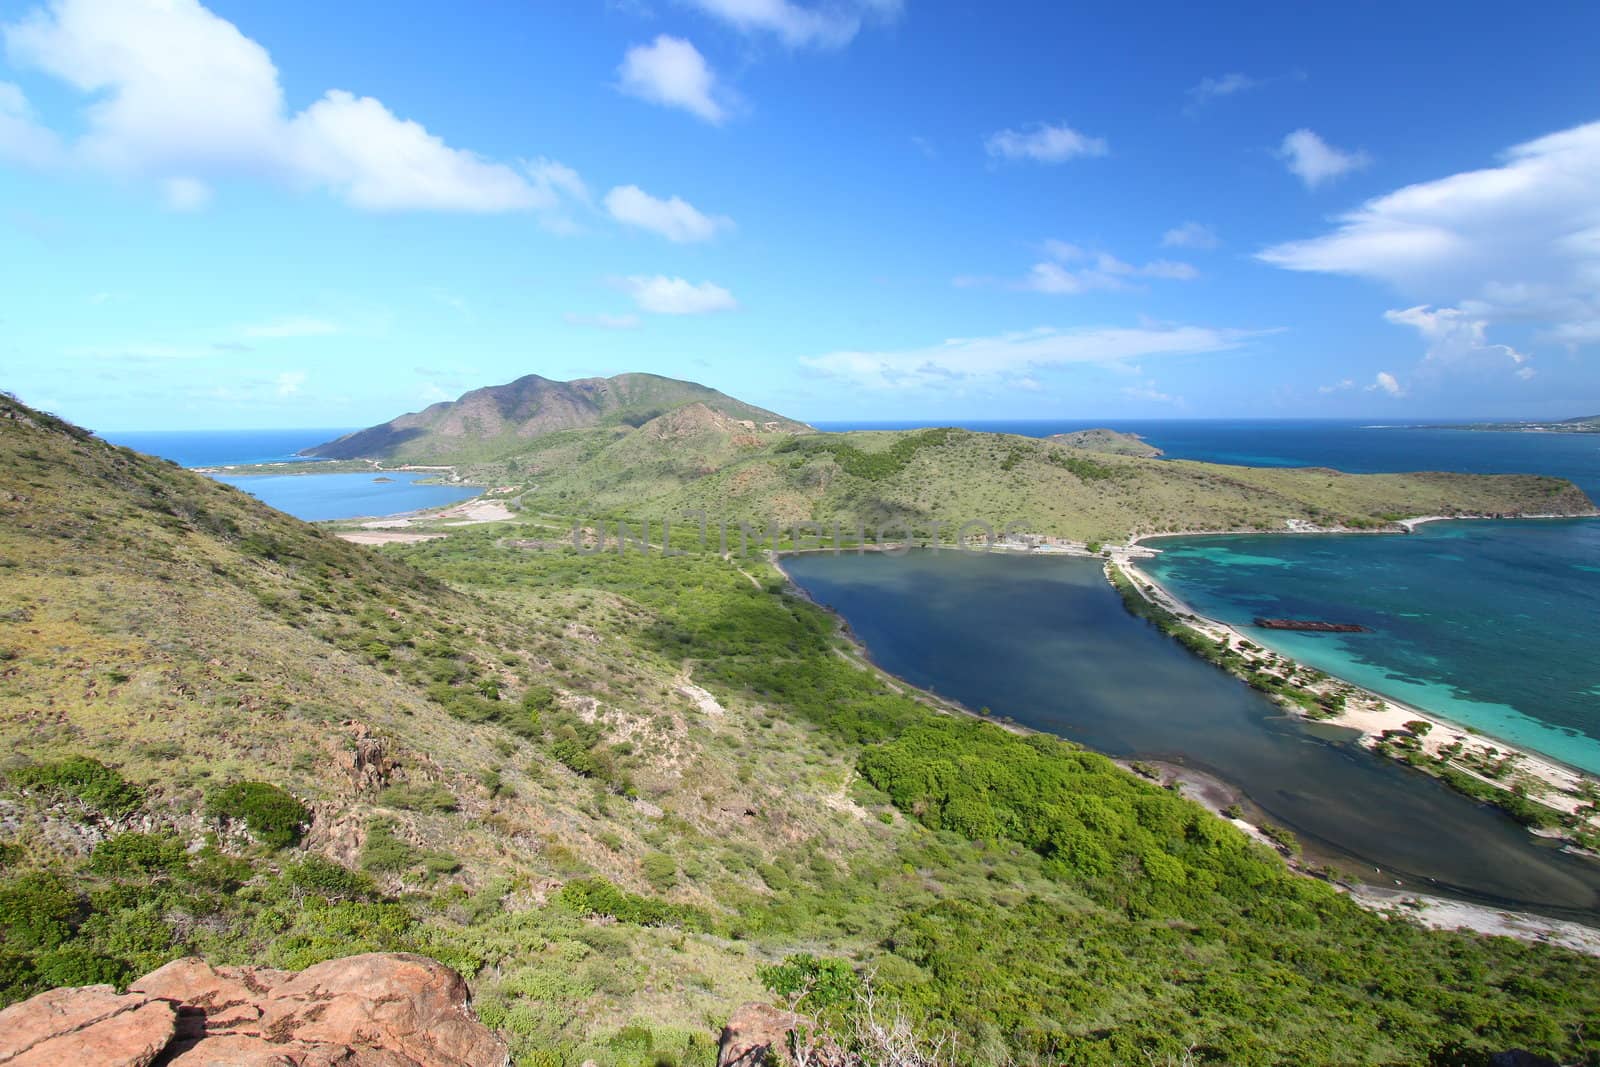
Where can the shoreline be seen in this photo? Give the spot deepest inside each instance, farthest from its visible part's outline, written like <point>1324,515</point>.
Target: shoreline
<point>1216,794</point>
<point>1374,715</point>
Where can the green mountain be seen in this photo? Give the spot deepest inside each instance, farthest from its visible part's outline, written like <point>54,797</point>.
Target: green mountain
<point>623,794</point>
<point>501,420</point>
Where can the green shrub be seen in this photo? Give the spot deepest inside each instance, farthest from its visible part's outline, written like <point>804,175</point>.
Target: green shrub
<point>384,851</point>
<point>85,779</point>
<point>661,870</point>
<point>273,816</point>
<point>428,798</point>
<point>596,896</point>
<point>329,880</point>
<point>38,910</point>
<point>138,854</point>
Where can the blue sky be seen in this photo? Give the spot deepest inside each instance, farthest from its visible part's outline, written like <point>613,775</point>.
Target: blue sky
<point>294,214</point>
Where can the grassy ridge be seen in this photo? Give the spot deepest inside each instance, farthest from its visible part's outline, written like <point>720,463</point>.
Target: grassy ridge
<point>952,476</point>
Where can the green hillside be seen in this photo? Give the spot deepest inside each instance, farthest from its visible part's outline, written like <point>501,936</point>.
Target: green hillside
<point>499,420</point>
<point>623,794</point>
<point>918,477</point>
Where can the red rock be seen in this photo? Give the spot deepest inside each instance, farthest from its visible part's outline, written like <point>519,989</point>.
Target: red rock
<point>88,1025</point>
<point>392,1001</point>
<point>377,1010</point>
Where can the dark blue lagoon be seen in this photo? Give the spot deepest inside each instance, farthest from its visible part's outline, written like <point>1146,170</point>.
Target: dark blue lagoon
<point>315,497</point>
<point>1493,625</point>
<point>1046,641</point>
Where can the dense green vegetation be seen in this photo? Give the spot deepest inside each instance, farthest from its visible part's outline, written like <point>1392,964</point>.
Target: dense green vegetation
<point>871,466</point>
<point>622,794</point>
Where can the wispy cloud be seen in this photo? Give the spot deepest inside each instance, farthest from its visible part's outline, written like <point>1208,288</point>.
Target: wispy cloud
<point>830,25</point>
<point>1072,270</point>
<point>1012,355</point>
<point>1216,88</point>
<point>1044,143</point>
<point>662,295</point>
<point>1316,162</point>
<point>1191,235</point>
<point>674,218</point>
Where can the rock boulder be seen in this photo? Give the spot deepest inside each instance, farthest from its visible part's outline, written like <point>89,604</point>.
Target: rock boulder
<point>376,1010</point>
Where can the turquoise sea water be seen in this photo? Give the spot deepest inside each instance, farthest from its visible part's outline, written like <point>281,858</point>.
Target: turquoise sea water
<point>1494,625</point>
<point>1046,640</point>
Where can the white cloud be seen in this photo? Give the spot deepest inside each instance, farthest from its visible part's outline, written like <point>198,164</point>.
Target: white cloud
<point>1148,391</point>
<point>1016,354</point>
<point>675,296</point>
<point>357,147</point>
<point>186,194</point>
<point>1459,340</point>
<point>180,94</point>
<point>1210,89</point>
<point>829,26</point>
<point>1315,161</point>
<point>1338,387</point>
<point>1044,143</point>
<point>603,322</point>
<point>1387,383</point>
<point>289,382</point>
<point>1190,235</point>
<point>671,72</point>
<point>1517,243</point>
<point>675,219</point>
<point>293,326</point>
<point>1072,270</point>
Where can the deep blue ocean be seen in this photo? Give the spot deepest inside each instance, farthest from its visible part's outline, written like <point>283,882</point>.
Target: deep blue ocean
<point>313,497</point>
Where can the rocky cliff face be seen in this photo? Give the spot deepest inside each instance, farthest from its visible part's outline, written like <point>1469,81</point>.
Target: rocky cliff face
<point>376,1010</point>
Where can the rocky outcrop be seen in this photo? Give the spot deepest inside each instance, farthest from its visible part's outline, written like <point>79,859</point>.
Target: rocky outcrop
<point>87,1025</point>
<point>364,763</point>
<point>377,1010</point>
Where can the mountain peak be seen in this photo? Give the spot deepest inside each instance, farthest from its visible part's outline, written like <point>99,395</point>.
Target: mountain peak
<point>499,420</point>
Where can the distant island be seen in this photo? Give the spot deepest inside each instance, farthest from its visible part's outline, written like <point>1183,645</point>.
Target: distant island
<point>1581,424</point>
